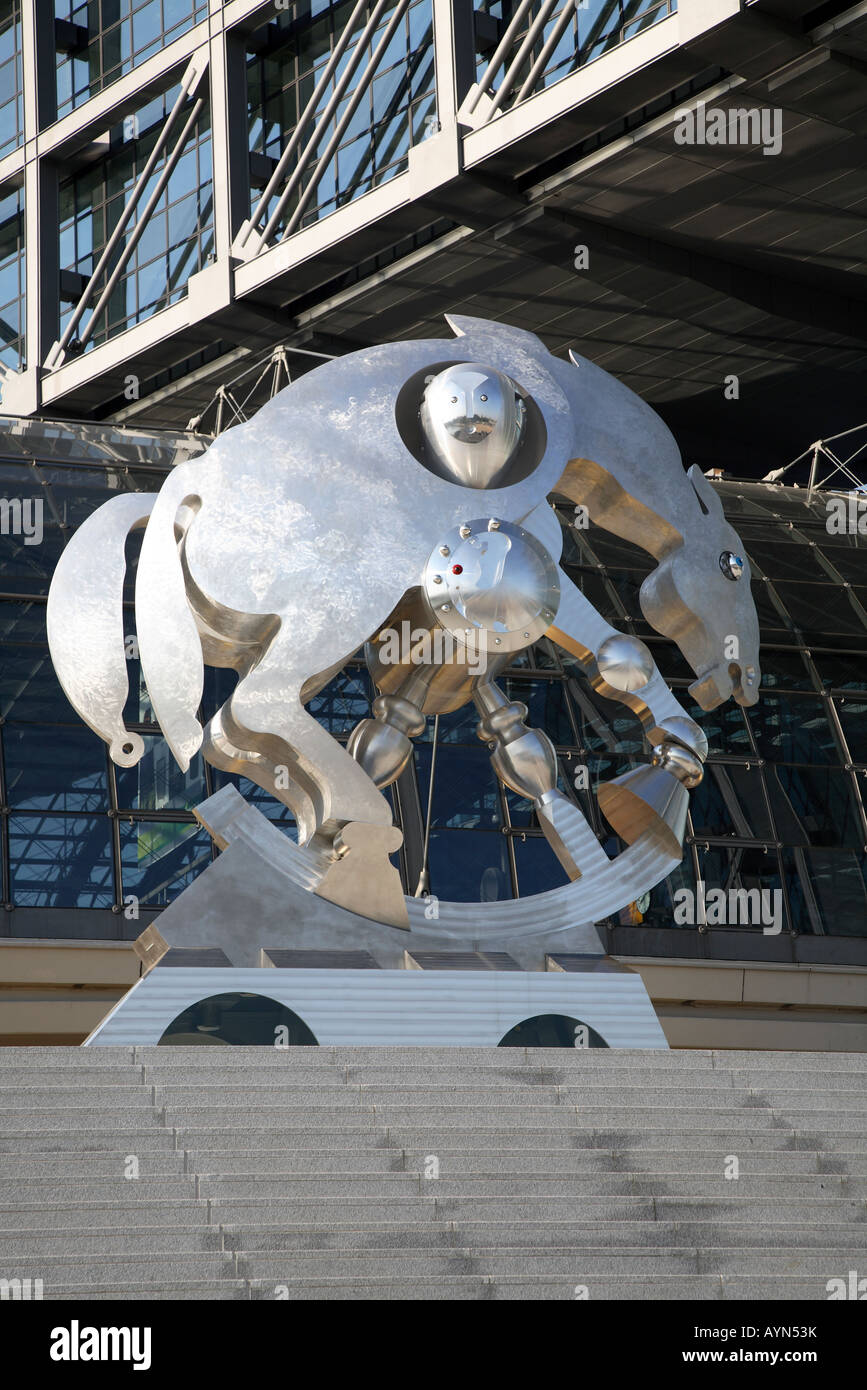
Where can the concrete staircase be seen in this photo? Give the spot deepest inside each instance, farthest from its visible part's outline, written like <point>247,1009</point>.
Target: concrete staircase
<point>301,1173</point>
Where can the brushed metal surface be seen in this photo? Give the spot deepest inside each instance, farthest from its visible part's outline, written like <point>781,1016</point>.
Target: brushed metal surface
<point>420,1008</point>
<point>290,542</point>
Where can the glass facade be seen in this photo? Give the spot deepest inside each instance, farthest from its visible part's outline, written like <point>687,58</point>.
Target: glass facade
<point>178,236</point>
<point>396,110</point>
<point>111,37</point>
<point>12,269</point>
<point>11,78</point>
<point>781,805</point>
<point>380,115</point>
<point>593,28</point>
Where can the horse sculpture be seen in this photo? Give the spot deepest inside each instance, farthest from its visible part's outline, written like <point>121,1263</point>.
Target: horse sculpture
<point>405,488</point>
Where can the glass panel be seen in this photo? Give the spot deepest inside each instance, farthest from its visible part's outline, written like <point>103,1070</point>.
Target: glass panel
<point>466,790</point>
<point>54,769</point>
<point>852,714</point>
<point>730,801</point>
<point>157,783</point>
<point>469,867</point>
<point>780,559</point>
<point>61,861</point>
<point>784,668</point>
<point>656,908</point>
<point>29,689</point>
<point>819,608</point>
<point>843,671</point>
<point>547,706</point>
<point>161,858</point>
<point>814,806</point>
<point>731,869</point>
<point>839,884</point>
<point>537,866</point>
<point>847,559</point>
<point>793,729</point>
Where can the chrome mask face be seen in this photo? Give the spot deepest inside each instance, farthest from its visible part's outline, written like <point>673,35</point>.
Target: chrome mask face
<point>473,422</point>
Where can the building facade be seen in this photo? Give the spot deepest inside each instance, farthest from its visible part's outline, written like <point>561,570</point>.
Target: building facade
<point>91,853</point>
<point>187,185</point>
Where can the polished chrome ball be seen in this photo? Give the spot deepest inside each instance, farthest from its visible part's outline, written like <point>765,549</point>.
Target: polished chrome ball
<point>678,728</point>
<point>473,421</point>
<point>731,565</point>
<point>624,662</point>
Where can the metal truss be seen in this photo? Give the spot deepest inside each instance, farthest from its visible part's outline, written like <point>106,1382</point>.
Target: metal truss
<point>821,452</point>
<point>261,382</point>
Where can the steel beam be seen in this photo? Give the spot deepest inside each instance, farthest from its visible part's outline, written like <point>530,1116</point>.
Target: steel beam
<point>279,173</point>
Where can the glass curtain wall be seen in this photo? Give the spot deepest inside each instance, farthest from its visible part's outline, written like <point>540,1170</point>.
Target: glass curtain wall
<point>781,805</point>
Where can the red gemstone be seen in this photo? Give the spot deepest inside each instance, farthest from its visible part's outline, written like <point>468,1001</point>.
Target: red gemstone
<point>457,569</point>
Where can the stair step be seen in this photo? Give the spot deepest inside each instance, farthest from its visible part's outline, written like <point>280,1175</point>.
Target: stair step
<point>270,1174</point>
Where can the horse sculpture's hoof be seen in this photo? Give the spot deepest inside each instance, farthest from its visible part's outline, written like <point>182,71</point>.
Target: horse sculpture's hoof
<point>362,878</point>
<point>648,800</point>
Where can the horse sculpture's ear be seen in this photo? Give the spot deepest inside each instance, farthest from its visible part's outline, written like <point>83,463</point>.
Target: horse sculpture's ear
<point>708,497</point>
<point>462,326</point>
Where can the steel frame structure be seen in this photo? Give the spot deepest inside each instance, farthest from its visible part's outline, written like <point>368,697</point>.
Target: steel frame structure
<point>253,275</point>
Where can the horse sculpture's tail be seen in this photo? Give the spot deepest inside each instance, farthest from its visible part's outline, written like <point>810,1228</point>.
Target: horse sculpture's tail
<point>169,643</point>
<point>85,621</point>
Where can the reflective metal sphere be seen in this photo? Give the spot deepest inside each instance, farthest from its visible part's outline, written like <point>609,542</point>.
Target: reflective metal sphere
<point>624,662</point>
<point>473,421</point>
<point>680,762</point>
<point>731,565</point>
<point>680,729</point>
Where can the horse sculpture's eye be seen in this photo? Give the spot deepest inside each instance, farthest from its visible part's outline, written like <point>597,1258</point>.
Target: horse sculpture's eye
<point>731,565</point>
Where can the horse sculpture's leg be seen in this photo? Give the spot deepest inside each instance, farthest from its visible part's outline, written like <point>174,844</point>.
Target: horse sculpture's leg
<point>525,761</point>
<point>265,716</point>
<point>622,668</point>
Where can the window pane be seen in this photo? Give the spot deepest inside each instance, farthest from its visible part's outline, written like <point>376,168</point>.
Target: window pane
<point>537,866</point>
<point>839,883</point>
<point>61,861</point>
<point>793,729</point>
<point>814,806</point>
<point>161,858</point>
<point>56,769</point>
<point>466,790</point>
<point>158,784</point>
<point>469,867</point>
